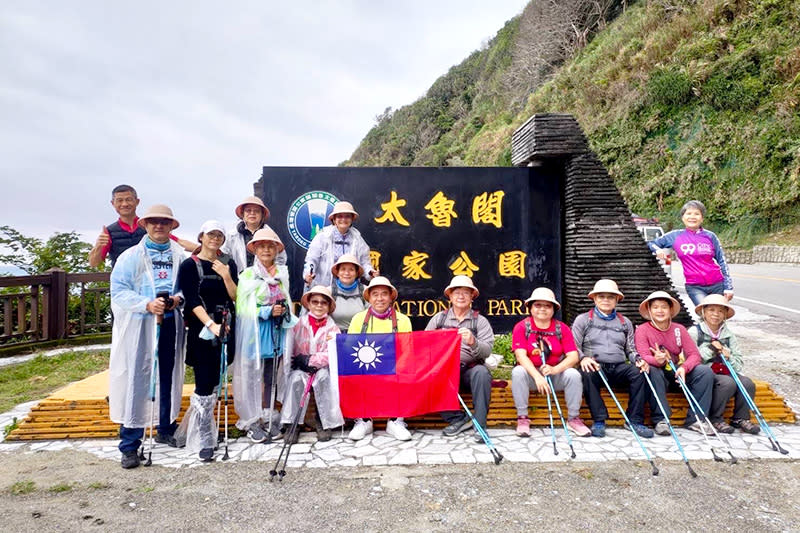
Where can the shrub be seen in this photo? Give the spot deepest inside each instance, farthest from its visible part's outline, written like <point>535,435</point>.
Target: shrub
<point>669,87</point>
<point>502,346</point>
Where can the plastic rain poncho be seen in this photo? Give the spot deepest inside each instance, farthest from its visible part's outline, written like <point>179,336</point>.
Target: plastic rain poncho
<point>255,295</point>
<point>198,428</point>
<point>235,247</point>
<point>133,339</point>
<point>303,341</point>
<point>323,253</point>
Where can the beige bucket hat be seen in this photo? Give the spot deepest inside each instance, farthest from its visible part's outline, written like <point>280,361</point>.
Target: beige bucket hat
<point>342,208</point>
<point>674,305</point>
<point>318,289</point>
<point>715,299</point>
<point>347,258</point>
<point>264,234</point>
<point>543,294</point>
<point>254,200</point>
<point>461,281</point>
<point>606,285</point>
<point>159,211</point>
<point>380,281</point>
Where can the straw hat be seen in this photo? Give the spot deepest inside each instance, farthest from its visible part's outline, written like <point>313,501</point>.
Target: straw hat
<point>461,281</point>
<point>715,299</point>
<point>264,234</point>
<point>159,211</point>
<point>318,289</point>
<point>380,281</point>
<point>543,294</point>
<point>342,208</point>
<point>254,200</point>
<point>347,258</point>
<point>606,285</point>
<point>644,307</point>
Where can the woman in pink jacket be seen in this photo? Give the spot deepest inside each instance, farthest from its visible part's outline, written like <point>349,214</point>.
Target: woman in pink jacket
<point>671,354</point>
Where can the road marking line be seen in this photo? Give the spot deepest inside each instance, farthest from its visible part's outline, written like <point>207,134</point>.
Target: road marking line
<point>753,276</point>
<point>736,298</point>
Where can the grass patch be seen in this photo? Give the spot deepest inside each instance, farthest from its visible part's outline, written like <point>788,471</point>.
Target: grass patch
<point>61,487</point>
<point>145,490</point>
<point>10,427</point>
<point>22,487</point>
<point>98,485</point>
<point>40,376</point>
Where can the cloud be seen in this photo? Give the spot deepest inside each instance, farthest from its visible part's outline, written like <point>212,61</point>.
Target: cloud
<point>188,100</point>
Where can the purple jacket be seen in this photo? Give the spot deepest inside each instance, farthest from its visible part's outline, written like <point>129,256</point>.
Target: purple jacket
<point>701,256</point>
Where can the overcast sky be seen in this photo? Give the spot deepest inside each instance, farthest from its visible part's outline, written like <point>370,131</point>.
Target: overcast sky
<point>186,101</point>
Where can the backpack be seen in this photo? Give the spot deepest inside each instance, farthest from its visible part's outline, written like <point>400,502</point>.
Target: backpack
<point>473,323</point>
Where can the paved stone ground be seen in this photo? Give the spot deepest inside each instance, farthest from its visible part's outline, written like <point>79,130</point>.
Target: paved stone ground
<point>429,447</point>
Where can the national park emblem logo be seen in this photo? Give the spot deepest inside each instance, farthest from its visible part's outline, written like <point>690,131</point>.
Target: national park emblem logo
<point>308,214</point>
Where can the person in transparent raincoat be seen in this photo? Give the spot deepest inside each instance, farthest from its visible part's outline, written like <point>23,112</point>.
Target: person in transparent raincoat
<point>144,323</point>
<point>307,351</point>
<point>263,313</point>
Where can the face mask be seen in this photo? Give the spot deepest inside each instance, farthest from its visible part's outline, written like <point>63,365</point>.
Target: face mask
<point>206,334</point>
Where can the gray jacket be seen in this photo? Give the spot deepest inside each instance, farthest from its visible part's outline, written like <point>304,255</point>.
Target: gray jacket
<point>481,329</point>
<point>607,341</point>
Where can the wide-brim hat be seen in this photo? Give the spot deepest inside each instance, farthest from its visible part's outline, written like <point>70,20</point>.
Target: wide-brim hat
<point>644,307</point>
<point>254,200</point>
<point>347,258</point>
<point>343,208</point>
<point>542,294</point>
<point>380,281</point>
<point>606,285</point>
<point>159,211</point>
<point>319,289</point>
<point>715,299</point>
<point>209,226</point>
<point>461,281</point>
<point>264,234</point>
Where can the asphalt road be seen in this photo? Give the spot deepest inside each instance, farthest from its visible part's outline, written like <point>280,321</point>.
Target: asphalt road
<point>765,288</point>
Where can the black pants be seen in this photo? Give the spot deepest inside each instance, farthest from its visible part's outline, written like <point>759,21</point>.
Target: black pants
<point>618,374</point>
<point>478,381</point>
<point>166,364</point>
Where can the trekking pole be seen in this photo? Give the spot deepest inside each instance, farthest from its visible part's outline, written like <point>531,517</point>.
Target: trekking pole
<point>274,385</point>
<point>223,376</point>
<point>552,428</point>
<point>669,424</point>
<point>558,405</point>
<point>753,407</point>
<point>290,434</point>
<point>221,368</point>
<point>482,432</point>
<point>698,413</point>
<point>627,420</point>
<point>153,371</point>
<point>561,416</point>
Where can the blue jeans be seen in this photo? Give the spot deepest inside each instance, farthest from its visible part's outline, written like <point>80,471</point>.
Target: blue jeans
<point>130,439</point>
<point>698,292</point>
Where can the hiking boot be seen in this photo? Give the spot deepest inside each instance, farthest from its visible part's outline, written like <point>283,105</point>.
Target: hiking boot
<point>169,440</point>
<point>577,426</point>
<point>206,455</point>
<point>397,429</point>
<point>722,427</point>
<point>457,427</point>
<point>323,435</point>
<point>746,426</point>
<point>361,428</point>
<point>523,426</point>
<point>256,433</point>
<point>130,459</point>
<point>599,428</point>
<point>662,428</point>
<point>641,430</point>
<point>695,426</point>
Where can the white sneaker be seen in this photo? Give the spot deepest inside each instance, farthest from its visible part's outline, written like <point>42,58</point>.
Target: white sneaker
<point>397,429</point>
<point>361,429</point>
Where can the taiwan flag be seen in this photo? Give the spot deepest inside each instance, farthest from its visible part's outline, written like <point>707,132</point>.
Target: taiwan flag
<point>385,375</point>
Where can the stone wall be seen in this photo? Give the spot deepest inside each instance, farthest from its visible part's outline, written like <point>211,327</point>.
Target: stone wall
<point>765,254</point>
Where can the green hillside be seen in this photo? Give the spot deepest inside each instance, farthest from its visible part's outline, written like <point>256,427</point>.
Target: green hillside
<point>680,99</point>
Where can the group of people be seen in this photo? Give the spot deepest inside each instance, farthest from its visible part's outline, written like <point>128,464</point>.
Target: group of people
<point>229,302</point>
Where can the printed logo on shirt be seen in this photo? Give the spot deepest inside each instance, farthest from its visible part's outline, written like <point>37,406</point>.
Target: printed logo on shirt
<point>308,214</point>
<point>688,249</point>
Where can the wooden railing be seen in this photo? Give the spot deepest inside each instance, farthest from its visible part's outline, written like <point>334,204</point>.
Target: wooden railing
<point>54,305</point>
